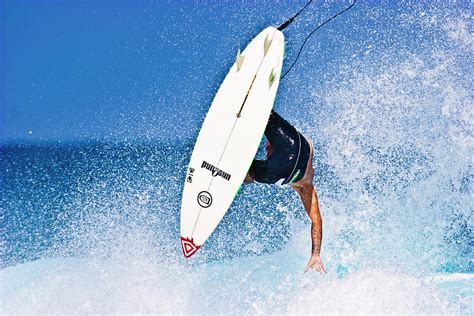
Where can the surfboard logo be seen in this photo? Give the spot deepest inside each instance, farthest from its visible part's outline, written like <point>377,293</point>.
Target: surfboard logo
<point>215,171</point>
<point>204,199</point>
<point>188,246</point>
<point>189,178</point>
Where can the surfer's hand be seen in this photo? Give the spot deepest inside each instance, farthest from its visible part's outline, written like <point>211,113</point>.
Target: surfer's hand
<point>315,263</point>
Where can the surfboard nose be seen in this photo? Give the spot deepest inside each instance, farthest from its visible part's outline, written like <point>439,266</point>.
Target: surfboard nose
<point>188,246</point>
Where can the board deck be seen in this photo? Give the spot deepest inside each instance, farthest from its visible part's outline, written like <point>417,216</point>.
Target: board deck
<point>229,137</point>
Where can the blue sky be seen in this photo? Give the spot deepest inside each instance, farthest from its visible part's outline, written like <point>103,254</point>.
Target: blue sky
<point>141,71</point>
<point>104,70</point>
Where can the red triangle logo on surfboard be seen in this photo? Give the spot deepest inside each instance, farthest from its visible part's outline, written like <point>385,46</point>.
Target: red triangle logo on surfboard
<point>188,246</point>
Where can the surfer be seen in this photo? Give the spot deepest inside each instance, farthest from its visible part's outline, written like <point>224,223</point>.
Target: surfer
<point>289,161</point>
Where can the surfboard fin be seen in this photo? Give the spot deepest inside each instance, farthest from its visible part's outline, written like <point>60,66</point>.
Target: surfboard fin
<point>239,60</point>
<point>266,44</point>
<point>271,78</point>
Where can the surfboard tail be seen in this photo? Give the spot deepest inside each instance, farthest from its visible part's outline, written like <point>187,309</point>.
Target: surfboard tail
<point>188,246</point>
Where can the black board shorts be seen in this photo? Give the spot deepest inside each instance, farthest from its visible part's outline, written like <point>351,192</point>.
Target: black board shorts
<point>290,154</point>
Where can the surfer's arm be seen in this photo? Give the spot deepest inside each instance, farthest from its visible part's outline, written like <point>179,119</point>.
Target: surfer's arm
<point>316,223</point>
<point>309,198</point>
<point>310,201</point>
<point>249,178</point>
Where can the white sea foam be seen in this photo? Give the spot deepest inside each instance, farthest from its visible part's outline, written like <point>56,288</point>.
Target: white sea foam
<point>262,285</point>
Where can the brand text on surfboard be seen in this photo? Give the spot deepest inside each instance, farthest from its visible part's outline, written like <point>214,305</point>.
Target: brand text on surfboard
<point>215,171</point>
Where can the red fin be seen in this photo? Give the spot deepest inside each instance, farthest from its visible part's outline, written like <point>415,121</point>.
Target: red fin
<point>188,246</point>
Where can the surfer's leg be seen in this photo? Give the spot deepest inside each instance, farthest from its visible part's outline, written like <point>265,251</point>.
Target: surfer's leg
<point>307,178</point>
<point>269,171</point>
<point>304,159</point>
<point>281,134</point>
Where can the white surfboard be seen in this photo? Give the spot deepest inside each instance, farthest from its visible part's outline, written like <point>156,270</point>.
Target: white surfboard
<point>229,137</point>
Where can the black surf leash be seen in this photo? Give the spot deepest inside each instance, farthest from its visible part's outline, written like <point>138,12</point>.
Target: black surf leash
<point>288,22</point>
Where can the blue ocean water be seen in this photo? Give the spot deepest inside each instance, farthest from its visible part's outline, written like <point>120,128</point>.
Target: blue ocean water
<point>93,227</point>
